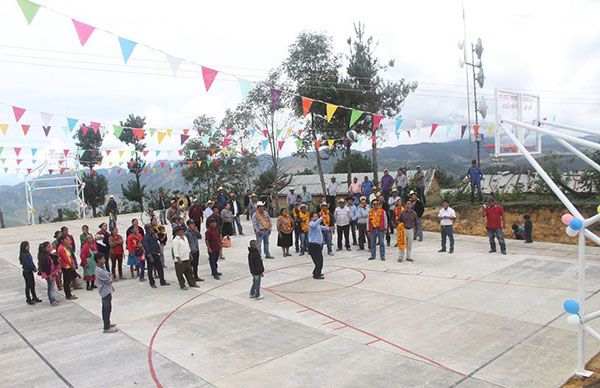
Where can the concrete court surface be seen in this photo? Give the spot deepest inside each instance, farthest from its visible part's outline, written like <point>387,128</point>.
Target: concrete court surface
<point>470,319</point>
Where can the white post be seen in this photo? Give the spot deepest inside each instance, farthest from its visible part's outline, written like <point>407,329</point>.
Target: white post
<point>581,300</point>
<point>570,127</point>
<point>583,156</point>
<point>554,134</point>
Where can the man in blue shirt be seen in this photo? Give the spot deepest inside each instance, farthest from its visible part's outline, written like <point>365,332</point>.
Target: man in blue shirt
<point>366,187</point>
<point>475,175</point>
<point>315,244</point>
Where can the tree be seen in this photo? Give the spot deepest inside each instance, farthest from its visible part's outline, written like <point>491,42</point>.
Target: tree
<point>358,163</point>
<point>133,192</point>
<point>96,186</point>
<point>136,164</point>
<point>366,90</point>
<point>590,180</point>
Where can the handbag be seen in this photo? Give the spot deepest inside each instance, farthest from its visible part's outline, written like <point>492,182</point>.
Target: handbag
<point>226,242</point>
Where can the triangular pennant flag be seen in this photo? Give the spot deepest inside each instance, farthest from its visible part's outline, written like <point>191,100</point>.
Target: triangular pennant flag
<point>121,153</point>
<point>127,47</point>
<point>245,86</point>
<point>66,152</point>
<point>174,63</point>
<point>183,138</point>
<point>318,143</point>
<point>170,132</point>
<point>161,136</point>
<point>83,31</point>
<point>19,112</point>
<point>226,141</point>
<point>4,128</point>
<point>476,129</point>
<point>66,131</point>
<point>354,116</point>
<point>71,123</point>
<point>298,145</point>
<point>25,128</point>
<point>490,129</point>
<point>418,125</point>
<point>199,163</point>
<point>376,121</point>
<point>3,159</point>
<point>162,164</point>
<point>6,170</point>
<point>330,143</point>
<point>228,132</point>
<point>138,133</point>
<point>46,118</point>
<point>280,143</point>
<point>157,153</point>
<point>398,122</point>
<point>209,76</point>
<point>154,170</point>
<point>85,129</point>
<point>306,104</point>
<point>265,144</point>
<point>448,128</point>
<point>81,152</point>
<point>331,108</point>
<point>289,132</point>
<point>463,128</point>
<point>118,130</point>
<point>180,152</point>
<point>208,162</point>
<point>433,128</point>
<point>95,126</point>
<point>108,152</point>
<point>29,171</point>
<point>275,96</point>
<point>145,152</point>
<point>33,151</point>
<point>29,9</point>
<point>205,139</point>
<point>19,161</point>
<point>153,131</point>
<point>17,150</point>
<point>46,129</point>
<point>277,133</point>
<point>265,132</point>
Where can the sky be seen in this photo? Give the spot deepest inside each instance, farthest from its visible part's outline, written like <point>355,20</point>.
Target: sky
<point>549,48</point>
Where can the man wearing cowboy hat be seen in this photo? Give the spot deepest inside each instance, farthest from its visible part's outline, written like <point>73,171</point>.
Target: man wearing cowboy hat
<point>208,210</point>
<point>332,191</point>
<point>291,198</point>
<point>221,198</point>
<point>112,210</point>
<point>342,216</point>
<point>252,205</point>
<point>173,211</point>
<point>261,222</point>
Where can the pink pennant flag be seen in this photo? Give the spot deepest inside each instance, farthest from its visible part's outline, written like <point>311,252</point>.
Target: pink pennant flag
<point>145,152</point>
<point>180,152</point>
<point>162,164</point>
<point>83,31</point>
<point>265,132</point>
<point>374,139</point>
<point>280,143</point>
<point>228,132</point>
<point>85,129</point>
<point>17,150</point>
<point>209,76</point>
<point>183,138</point>
<point>95,126</point>
<point>19,161</point>
<point>108,152</point>
<point>376,121</point>
<point>28,171</point>
<point>66,152</point>
<point>19,112</point>
<point>25,128</point>
<point>433,128</point>
<point>119,170</point>
<point>226,141</point>
<point>50,171</point>
<point>46,129</point>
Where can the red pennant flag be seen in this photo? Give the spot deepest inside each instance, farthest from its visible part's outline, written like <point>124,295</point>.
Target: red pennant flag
<point>226,141</point>
<point>145,152</point>
<point>190,163</point>
<point>186,131</point>
<point>184,138</point>
<point>62,171</point>
<point>463,128</point>
<point>433,128</point>
<point>162,164</point>
<point>476,129</point>
<point>180,152</point>
<point>96,126</point>
<point>19,112</point>
<point>280,143</point>
<point>19,161</point>
<point>17,150</point>
<point>25,128</point>
<point>374,139</point>
<point>228,132</point>
<point>217,163</point>
<point>85,129</point>
<point>376,121</point>
<point>46,129</point>
<point>306,104</point>
<point>265,132</point>
<point>138,133</point>
<point>66,151</point>
<point>209,76</point>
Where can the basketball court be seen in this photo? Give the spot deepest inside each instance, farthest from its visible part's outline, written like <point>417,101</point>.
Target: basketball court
<point>470,319</point>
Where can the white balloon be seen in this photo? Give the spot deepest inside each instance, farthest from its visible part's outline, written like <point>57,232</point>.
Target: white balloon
<point>570,232</point>
<point>572,319</point>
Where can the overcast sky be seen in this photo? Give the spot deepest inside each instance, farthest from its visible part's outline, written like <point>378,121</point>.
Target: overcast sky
<point>551,48</point>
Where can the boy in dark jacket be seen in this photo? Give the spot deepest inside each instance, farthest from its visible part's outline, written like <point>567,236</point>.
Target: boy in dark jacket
<point>528,226</point>
<point>256,269</point>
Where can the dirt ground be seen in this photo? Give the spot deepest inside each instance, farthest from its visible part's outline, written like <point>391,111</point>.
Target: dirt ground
<point>547,225</point>
<point>590,382</point>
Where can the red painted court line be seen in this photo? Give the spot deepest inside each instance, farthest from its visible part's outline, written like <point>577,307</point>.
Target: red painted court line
<point>372,342</point>
<point>341,327</point>
<point>327,323</point>
<point>362,279</point>
<point>304,278</point>
<point>302,311</point>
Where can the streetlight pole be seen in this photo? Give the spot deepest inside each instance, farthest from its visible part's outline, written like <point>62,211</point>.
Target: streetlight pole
<point>477,139</point>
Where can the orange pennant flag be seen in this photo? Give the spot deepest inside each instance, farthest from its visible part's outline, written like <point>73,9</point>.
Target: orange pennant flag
<point>138,133</point>
<point>306,104</point>
<point>476,129</point>
<point>25,128</point>
<point>318,144</point>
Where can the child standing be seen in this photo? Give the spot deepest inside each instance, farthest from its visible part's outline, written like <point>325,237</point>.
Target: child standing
<point>88,250</point>
<point>105,289</point>
<point>256,269</point>
<point>28,269</point>
<point>132,243</point>
<point>141,259</point>
<point>528,228</point>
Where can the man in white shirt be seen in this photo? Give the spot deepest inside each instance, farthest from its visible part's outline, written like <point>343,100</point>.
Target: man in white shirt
<point>401,182</point>
<point>181,256</point>
<point>342,216</point>
<point>332,191</point>
<point>208,211</point>
<point>447,215</point>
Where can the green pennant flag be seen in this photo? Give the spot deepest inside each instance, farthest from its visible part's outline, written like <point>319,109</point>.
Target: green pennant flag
<point>278,133</point>
<point>355,116</point>
<point>133,153</point>
<point>1,149</point>
<point>29,9</point>
<point>2,160</point>
<point>208,163</point>
<point>157,153</point>
<point>118,130</point>
<point>298,145</point>
<point>152,131</point>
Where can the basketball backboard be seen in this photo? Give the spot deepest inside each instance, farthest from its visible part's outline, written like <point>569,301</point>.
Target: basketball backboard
<point>520,107</point>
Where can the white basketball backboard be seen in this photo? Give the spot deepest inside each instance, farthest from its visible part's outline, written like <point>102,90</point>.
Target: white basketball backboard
<point>520,107</point>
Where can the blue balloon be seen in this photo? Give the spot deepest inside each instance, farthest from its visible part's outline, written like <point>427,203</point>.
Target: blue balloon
<point>576,224</point>
<point>571,306</point>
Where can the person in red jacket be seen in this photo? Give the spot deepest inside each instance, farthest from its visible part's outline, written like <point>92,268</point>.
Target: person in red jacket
<point>133,241</point>
<point>67,264</point>
<point>213,244</point>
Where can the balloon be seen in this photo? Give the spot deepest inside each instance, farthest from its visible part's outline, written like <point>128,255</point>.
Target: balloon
<point>598,209</point>
<point>566,218</point>
<point>573,319</point>
<point>576,224</point>
<point>571,306</point>
<point>570,232</point>
<point>352,135</point>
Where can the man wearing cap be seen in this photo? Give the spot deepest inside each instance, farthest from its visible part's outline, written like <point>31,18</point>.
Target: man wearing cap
<point>332,191</point>
<point>112,211</point>
<point>306,197</point>
<point>419,179</point>
<point>261,222</point>
<point>354,190</point>
<point>366,187</point>
<point>386,184</point>
<point>252,205</point>
<point>494,214</point>
<point>291,198</point>
<point>362,219</point>
<point>377,226</point>
<point>342,216</point>
<point>401,181</point>
<point>181,256</point>
<point>221,198</point>
<point>236,210</point>
<point>327,220</point>
<point>419,208</point>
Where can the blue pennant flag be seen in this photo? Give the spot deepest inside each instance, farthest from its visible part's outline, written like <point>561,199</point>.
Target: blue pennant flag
<point>398,123</point>
<point>127,47</point>
<point>33,151</point>
<point>71,122</point>
<point>245,87</point>
<point>265,144</point>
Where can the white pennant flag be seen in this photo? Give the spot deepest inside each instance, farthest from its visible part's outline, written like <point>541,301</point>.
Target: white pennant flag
<point>46,117</point>
<point>174,62</point>
<point>418,125</point>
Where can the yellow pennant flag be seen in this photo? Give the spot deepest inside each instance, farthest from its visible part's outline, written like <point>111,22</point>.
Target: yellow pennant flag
<point>121,153</point>
<point>160,136</point>
<point>289,132</point>
<point>4,128</point>
<point>170,132</point>
<point>490,129</point>
<point>331,108</point>
<point>199,163</point>
<point>224,151</point>
<point>154,170</point>
<point>109,164</point>
<point>330,143</point>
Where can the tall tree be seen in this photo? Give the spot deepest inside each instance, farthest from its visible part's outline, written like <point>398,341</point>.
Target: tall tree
<point>358,163</point>
<point>238,123</point>
<point>366,90</point>
<point>136,164</point>
<point>96,185</point>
